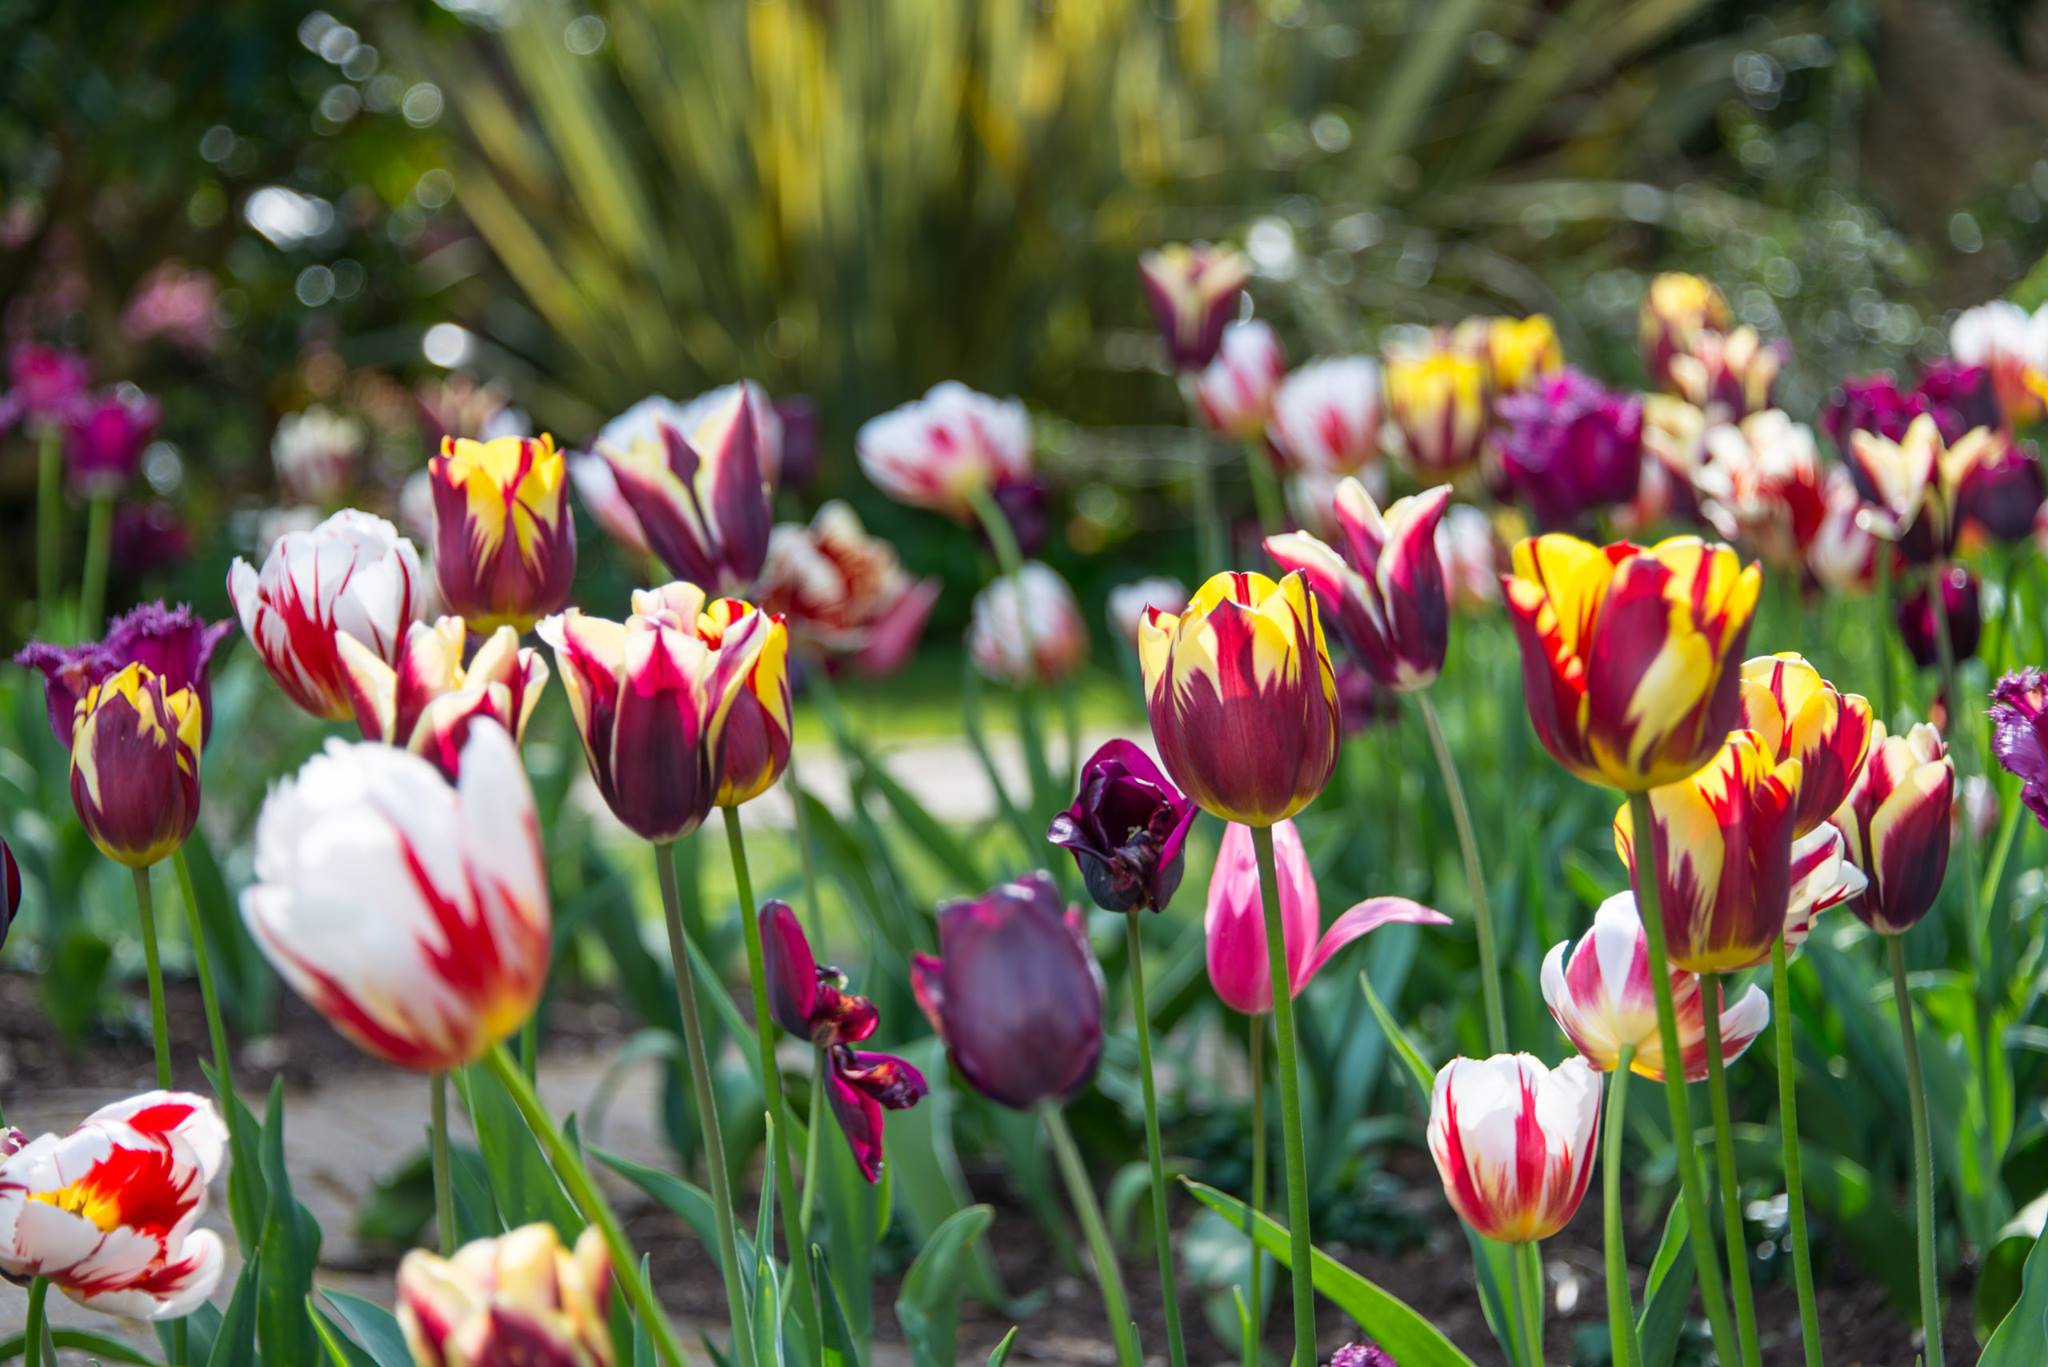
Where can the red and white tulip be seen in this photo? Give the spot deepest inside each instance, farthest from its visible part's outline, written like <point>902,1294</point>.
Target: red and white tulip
<point>1513,1142</point>
<point>1326,415</point>
<point>1234,392</point>
<point>1028,628</point>
<point>940,451</point>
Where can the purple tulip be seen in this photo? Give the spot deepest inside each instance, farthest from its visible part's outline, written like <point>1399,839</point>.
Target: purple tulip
<point>1959,396</point>
<point>1571,446</point>
<point>175,644</point>
<point>1126,830</point>
<point>1016,993</point>
<point>1965,618</point>
<point>2002,490</point>
<point>1024,507</point>
<point>1870,403</point>
<point>44,383</point>
<point>2019,735</point>
<point>104,438</point>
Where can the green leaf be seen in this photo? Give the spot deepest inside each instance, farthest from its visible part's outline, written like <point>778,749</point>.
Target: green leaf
<point>928,1306</point>
<point>1843,1192</point>
<point>1668,1290</point>
<point>96,1346</point>
<point>839,1347</point>
<point>918,823</point>
<point>234,1343</point>
<point>1419,1071</point>
<point>1493,1275</point>
<point>2004,1267</point>
<point>1000,1354</point>
<point>288,1253</point>
<point>683,1198</point>
<point>341,1350</point>
<point>522,1184</point>
<point>399,1203</point>
<point>2021,1339</point>
<point>925,1173</point>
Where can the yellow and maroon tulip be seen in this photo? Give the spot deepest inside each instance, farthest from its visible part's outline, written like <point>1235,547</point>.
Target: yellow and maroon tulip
<point>1518,351</point>
<point>1242,696</point>
<point>518,1298</point>
<point>1513,1141</point>
<point>1677,309</point>
<point>697,483</point>
<point>754,746</point>
<point>427,703</point>
<point>504,542</point>
<point>1896,824</point>
<point>135,765</point>
<point>1440,399</point>
<point>1796,714</point>
<point>1628,653</point>
<point>1193,290</point>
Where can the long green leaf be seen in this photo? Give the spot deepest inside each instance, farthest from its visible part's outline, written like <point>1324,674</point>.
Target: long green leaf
<point>928,1306</point>
<point>374,1328</point>
<point>2021,1340</point>
<point>1668,1291</point>
<point>96,1346</point>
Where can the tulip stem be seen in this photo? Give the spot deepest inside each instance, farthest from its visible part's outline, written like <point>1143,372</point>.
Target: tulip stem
<point>1528,1272</point>
<point>38,1296</point>
<point>1265,489</point>
<point>444,1191</point>
<point>1301,1269</point>
<point>216,1029</point>
<point>159,1021</point>
<point>1923,1159</point>
<point>1621,1312</point>
<point>1788,1129</point>
<point>819,1063</point>
<point>1724,1158</point>
<point>569,1167</point>
<point>707,1109</point>
<point>1475,878</point>
<point>1258,1205</point>
<point>92,589</point>
<point>1099,1246</point>
<point>771,1084</point>
<point>1162,1224</point>
<point>1706,1260</point>
<point>49,525</point>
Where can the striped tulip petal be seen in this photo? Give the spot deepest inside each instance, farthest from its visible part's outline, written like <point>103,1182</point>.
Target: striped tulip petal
<point>940,451</point>
<point>135,765</point>
<point>427,703</point>
<point>1439,398</point>
<point>1193,289</point>
<point>518,1298</point>
<point>1895,824</point>
<point>697,482</point>
<point>1796,714</point>
<point>1513,1142</point>
<point>504,542</point>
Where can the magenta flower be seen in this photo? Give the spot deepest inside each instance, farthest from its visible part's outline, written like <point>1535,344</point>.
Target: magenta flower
<point>1571,446</point>
<point>104,438</point>
<point>1362,701</point>
<point>1362,1355</point>
<point>1127,829</point>
<point>10,889</point>
<point>175,644</point>
<point>44,383</point>
<point>2019,735</point>
<point>1959,396</point>
<point>1965,618</point>
<point>2002,489</point>
<point>1876,404</point>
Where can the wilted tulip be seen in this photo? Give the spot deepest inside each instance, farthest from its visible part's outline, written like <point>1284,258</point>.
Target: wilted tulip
<point>1796,714</point>
<point>411,913</point>
<point>941,451</point>
<point>1439,398</point>
<point>1242,696</point>
<point>175,644</point>
<point>1513,1142</point>
<point>1896,823</point>
<point>1234,392</point>
<point>427,703</point>
<point>518,1298</point>
<point>1015,993</point>
<point>1127,603</point>
<point>1919,628</point>
<point>1235,923</point>
<point>110,1212</point>
<point>1729,375</point>
<point>1326,415</point>
<point>1629,654</point>
<point>135,765</point>
<point>1843,553</point>
<point>1126,830</point>
<point>1760,486</point>
<point>353,575</point>
<point>104,438</point>
<point>1676,310</point>
<point>504,542</point>
<point>2019,735</point>
<point>2012,344</point>
<point>44,385</point>
<point>1028,628</point>
<point>315,453</point>
<point>696,482</point>
<point>1194,290</point>
<point>2001,488</point>
<point>753,746</point>
<point>1601,998</point>
<point>1519,352</point>
<point>1386,593</point>
<point>1571,446</point>
<point>845,593</point>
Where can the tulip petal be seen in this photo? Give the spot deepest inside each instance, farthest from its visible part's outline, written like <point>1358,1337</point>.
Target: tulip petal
<point>1367,916</point>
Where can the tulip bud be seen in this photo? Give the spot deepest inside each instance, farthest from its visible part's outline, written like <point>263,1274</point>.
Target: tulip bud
<point>1919,628</point>
<point>1728,374</point>
<point>1193,290</point>
<point>1440,400</point>
<point>1761,486</point>
<point>1513,1142</point>
<point>2012,345</point>
<point>2001,488</point>
<point>1570,446</point>
<point>1796,714</point>
<point>504,542</point>
<point>1126,830</point>
<point>754,745</point>
<point>1896,824</point>
<point>2019,735</point>
<point>1911,487</point>
<point>1027,629</point>
<point>517,1298</point>
<point>696,483</point>
<point>845,593</point>
<point>135,765</point>
<point>940,451</point>
<point>1326,415</point>
<point>1676,309</point>
<point>104,439</point>
<point>1234,392</point>
<point>427,703</point>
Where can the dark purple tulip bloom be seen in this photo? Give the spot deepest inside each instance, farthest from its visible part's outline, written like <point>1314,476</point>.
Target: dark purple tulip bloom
<point>799,417</point>
<point>148,537</point>
<point>1016,993</point>
<point>176,645</point>
<point>10,890</point>
<point>1959,396</point>
<point>1571,446</point>
<point>2019,735</point>
<point>1870,403</point>
<point>2003,491</point>
<point>1965,618</point>
<point>1362,1355</point>
<point>1126,830</point>
<point>44,383</point>
<point>104,439</point>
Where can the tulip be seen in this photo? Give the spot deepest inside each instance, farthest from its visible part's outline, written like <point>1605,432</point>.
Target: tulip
<point>1910,487</point>
<point>1674,451</point>
<point>945,450</point>
<point>599,489</point>
<point>1234,392</point>
<point>2002,488</point>
<point>1761,486</point>
<point>1676,309</point>
<point>1796,714</point>
<point>110,1212</point>
<point>1919,627</point>
<point>1439,398</point>
<point>1959,396</point>
<point>1599,993</point>
<point>1242,696</point>
<point>104,438</point>
<point>411,913</point>
<point>1570,446</point>
<point>1235,922</point>
<point>351,575</point>
<point>2019,735</point>
<point>1194,289</point>
<point>1729,374</point>
<point>1876,404</point>
<point>1309,494</point>
<point>811,1002</point>
<point>10,889</point>
<point>1127,603</point>
<point>2011,344</point>
<point>44,385</point>
<point>518,1298</point>
<point>1896,823</point>
<point>845,593</point>
<point>457,406</point>
<point>175,644</point>
<point>1015,993</point>
<point>135,765</point>
<point>1843,554</point>
<point>315,454</point>
<point>754,745</point>
<point>1821,877</point>
<point>504,543</point>
<point>1387,595</point>
<point>797,464</point>
<point>428,702</point>
<point>696,483</point>
<point>1628,653</point>
<point>1513,1142</point>
<point>1028,628</point>
<point>1126,830</point>
<point>651,696</point>
<point>1520,352</point>
<point>1326,415</point>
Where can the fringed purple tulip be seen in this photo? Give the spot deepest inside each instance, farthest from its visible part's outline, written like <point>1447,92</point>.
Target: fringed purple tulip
<point>1571,446</point>
<point>1960,599</point>
<point>2019,736</point>
<point>175,644</point>
<point>1126,830</point>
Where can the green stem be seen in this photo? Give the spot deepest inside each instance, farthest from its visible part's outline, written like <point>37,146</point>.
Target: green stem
<point>444,1189</point>
<point>1475,878</point>
<point>1301,1268</point>
<point>1724,1159</point>
<point>707,1110</point>
<point>1258,1204</point>
<point>38,1296</point>
<point>1788,1128</point>
<point>49,526</point>
<point>1923,1159</point>
<point>1526,1348</point>
<point>92,590</point>
<point>1706,1260</point>
<point>575,1177</point>
<point>1530,1274</point>
<point>1621,1311</point>
<point>1266,499</point>
<point>1099,1247</point>
<point>819,1063</point>
<point>1162,1224</point>
<point>159,1021</point>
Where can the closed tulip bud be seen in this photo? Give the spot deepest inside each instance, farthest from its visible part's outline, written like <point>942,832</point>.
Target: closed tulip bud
<point>135,765</point>
<point>352,575</point>
<point>1242,696</point>
<point>104,439</point>
<point>2012,344</point>
<point>1326,416</point>
<point>941,451</point>
<point>411,913</point>
<point>1513,1142</point>
<point>1194,289</point>
<point>1629,654</point>
<point>1235,922</point>
<point>1676,309</point>
<point>1520,352</point>
<point>1896,824</point>
<point>1920,629</point>
<point>1127,830</point>
<point>845,593</point>
<point>1570,446</point>
<point>1843,554</point>
<point>1015,993</point>
<point>1127,603</point>
<point>504,542</point>
<point>1440,399</point>
<point>175,644</point>
<point>427,703</point>
<point>2019,735</point>
<point>1386,592</point>
<point>518,1298</point>
<point>697,484</point>
<point>754,744</point>
<point>1234,392</point>
<point>1796,714</point>
<point>1761,486</point>
<point>1027,629</point>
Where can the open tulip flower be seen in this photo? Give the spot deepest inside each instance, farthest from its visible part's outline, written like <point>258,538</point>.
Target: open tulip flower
<point>518,1298</point>
<point>427,703</point>
<point>1676,309</point>
<point>351,575</point>
<point>845,593</point>
<point>1193,290</point>
<point>651,696</point>
<point>1326,416</point>
<point>1518,351</point>
<point>1796,714</point>
<point>1571,446</point>
<point>1761,486</point>
<point>753,747</point>
<point>1599,993</point>
<point>1628,654</point>
<point>1235,922</point>
<point>135,765</point>
<point>1440,398</point>
<point>1513,1142</point>
<point>1896,823</point>
<point>942,451</point>
<point>1387,592</point>
<point>175,644</point>
<point>1027,628</point>
<point>1242,696</point>
<point>697,484</point>
<point>504,542</point>
<point>810,1001</point>
<point>1127,830</point>
<point>1234,392</point>
<point>1910,486</point>
<point>2019,735</point>
<point>1729,375</point>
<point>411,913</point>
<point>109,1213</point>
<point>1015,993</point>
